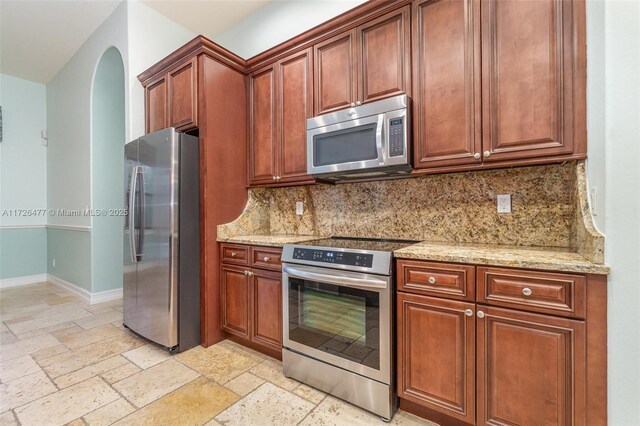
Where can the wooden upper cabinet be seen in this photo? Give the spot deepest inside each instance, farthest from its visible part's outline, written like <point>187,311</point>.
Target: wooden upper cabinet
<point>436,354</point>
<point>156,104</point>
<point>183,96</point>
<point>295,105</point>
<point>267,308</point>
<point>528,76</point>
<point>530,369</point>
<point>446,68</point>
<point>384,56</point>
<point>334,75</point>
<point>262,136</point>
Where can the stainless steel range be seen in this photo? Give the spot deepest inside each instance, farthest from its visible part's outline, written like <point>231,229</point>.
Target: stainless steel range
<point>338,316</point>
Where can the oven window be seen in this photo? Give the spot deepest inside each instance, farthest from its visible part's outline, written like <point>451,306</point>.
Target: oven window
<point>345,146</point>
<point>338,320</point>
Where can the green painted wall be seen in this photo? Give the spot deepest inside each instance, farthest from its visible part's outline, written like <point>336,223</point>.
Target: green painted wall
<point>23,251</point>
<point>72,253</point>
<point>107,171</point>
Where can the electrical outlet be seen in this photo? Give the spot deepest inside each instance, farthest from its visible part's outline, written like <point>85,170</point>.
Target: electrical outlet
<point>53,262</point>
<point>594,201</point>
<point>299,208</point>
<point>504,203</point>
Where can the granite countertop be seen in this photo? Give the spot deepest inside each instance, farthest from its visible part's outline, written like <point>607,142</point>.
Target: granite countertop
<point>273,240</point>
<point>546,258</point>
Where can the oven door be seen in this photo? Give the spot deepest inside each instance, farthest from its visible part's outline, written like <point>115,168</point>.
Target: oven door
<point>351,145</point>
<point>339,317</point>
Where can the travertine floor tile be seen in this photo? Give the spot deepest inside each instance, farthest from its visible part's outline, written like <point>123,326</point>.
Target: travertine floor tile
<point>81,337</point>
<point>149,385</point>
<point>27,346</point>
<point>271,371</point>
<point>147,356</point>
<point>88,372</point>
<point>309,393</point>
<point>68,404</point>
<point>7,419</point>
<point>25,389</point>
<point>17,367</point>
<point>267,405</point>
<point>76,422</point>
<point>120,373</point>
<point>49,352</point>
<point>87,355</point>
<point>56,330</point>
<point>219,362</point>
<point>192,404</point>
<point>7,337</point>
<point>244,383</point>
<point>110,413</point>
<point>99,319</point>
<point>69,313</point>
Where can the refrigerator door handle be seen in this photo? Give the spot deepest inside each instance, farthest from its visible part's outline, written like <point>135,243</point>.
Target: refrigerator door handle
<point>132,214</point>
<point>142,214</point>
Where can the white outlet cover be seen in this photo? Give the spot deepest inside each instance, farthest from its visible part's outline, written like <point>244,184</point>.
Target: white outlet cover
<point>504,203</point>
<point>299,208</point>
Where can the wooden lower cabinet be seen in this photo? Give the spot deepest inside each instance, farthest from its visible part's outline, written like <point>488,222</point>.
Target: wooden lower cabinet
<point>530,369</point>
<point>436,354</point>
<point>234,284</point>
<point>267,308</point>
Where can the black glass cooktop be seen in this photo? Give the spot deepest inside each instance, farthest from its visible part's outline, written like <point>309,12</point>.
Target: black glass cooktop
<point>359,243</point>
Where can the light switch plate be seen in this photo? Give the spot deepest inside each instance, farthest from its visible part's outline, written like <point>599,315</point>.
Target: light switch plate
<point>299,208</point>
<point>504,203</point>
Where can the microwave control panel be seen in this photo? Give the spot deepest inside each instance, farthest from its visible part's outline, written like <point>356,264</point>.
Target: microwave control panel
<point>336,257</point>
<point>396,137</point>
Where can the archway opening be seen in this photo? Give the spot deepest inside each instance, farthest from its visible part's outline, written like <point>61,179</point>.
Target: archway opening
<point>107,171</point>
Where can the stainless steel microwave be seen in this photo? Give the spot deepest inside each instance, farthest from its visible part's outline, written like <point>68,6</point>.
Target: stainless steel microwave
<point>365,142</point>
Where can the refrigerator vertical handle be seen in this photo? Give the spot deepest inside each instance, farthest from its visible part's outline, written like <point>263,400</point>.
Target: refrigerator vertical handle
<point>142,214</point>
<point>132,213</point>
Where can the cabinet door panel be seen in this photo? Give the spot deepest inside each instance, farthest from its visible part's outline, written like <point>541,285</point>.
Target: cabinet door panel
<point>531,369</point>
<point>156,100</point>
<point>334,76</point>
<point>527,78</point>
<point>263,126</point>
<point>436,355</point>
<point>234,287</point>
<point>385,61</point>
<point>183,96</point>
<point>447,82</point>
<point>295,105</point>
<point>267,308</point>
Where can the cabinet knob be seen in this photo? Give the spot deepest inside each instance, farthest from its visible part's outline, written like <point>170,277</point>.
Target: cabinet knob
<point>353,104</point>
<point>476,155</point>
<point>480,314</point>
<point>278,178</point>
<point>487,154</point>
<point>249,273</point>
<point>246,273</point>
<point>432,280</point>
<point>468,312</point>
<point>526,291</point>
<point>358,103</point>
<point>266,258</point>
<point>233,254</point>
<point>273,177</point>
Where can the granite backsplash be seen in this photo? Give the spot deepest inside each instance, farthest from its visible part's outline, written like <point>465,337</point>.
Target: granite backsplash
<point>549,209</point>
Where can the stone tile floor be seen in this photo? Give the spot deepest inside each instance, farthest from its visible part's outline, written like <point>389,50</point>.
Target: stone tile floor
<point>63,361</point>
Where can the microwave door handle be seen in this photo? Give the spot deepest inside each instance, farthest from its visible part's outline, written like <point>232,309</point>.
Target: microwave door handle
<point>379,138</point>
<point>333,278</point>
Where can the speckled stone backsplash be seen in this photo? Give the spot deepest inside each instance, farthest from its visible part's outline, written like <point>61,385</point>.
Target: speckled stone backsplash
<point>549,209</point>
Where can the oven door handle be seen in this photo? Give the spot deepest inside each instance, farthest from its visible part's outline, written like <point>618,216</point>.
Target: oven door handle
<point>333,278</point>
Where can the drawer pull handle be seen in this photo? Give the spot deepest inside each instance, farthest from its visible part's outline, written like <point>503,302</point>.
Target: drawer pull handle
<point>526,291</point>
<point>246,273</point>
<point>266,258</point>
<point>480,314</point>
<point>233,254</point>
<point>468,312</point>
<point>432,280</point>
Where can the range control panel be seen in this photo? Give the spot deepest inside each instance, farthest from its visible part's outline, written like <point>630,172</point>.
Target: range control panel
<point>396,137</point>
<point>336,257</point>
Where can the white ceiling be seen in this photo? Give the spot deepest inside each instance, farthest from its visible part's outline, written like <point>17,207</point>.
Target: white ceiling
<point>37,37</point>
<point>206,17</point>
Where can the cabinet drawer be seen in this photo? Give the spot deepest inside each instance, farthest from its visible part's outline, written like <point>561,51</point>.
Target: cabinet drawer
<point>232,253</point>
<point>266,258</point>
<point>545,292</point>
<point>437,279</point>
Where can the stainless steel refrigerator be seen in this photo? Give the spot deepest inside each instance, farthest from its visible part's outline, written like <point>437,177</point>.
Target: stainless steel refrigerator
<point>162,239</point>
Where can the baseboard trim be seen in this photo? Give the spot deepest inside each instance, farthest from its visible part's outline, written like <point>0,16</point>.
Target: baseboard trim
<point>91,298</point>
<point>25,280</point>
